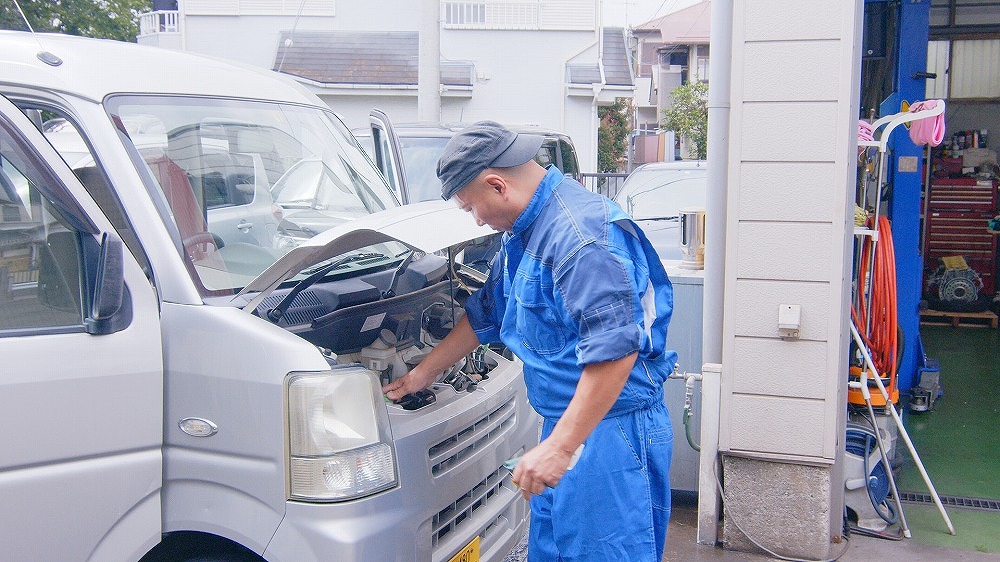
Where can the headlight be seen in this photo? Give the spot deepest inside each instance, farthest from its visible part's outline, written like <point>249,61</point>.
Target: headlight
<point>338,436</point>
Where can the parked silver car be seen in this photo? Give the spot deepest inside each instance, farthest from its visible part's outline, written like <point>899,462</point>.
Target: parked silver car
<point>653,194</point>
<point>407,153</point>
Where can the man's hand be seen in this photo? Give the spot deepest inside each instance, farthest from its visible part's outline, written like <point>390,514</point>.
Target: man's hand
<point>417,379</point>
<point>542,466</point>
<point>457,344</point>
<point>598,388</point>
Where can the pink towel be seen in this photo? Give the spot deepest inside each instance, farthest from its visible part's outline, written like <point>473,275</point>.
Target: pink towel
<point>864,130</point>
<point>929,130</point>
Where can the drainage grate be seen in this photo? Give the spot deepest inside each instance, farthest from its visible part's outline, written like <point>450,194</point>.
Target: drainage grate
<point>980,504</point>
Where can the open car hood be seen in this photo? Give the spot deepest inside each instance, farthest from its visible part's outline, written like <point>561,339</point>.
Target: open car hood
<point>428,227</point>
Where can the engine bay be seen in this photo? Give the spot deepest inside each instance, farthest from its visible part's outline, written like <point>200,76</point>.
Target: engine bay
<point>387,320</point>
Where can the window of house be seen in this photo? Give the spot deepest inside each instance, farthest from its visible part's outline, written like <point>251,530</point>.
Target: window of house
<point>524,15</point>
<point>465,13</point>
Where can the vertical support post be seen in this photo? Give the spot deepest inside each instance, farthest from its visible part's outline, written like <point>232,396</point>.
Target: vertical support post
<point>907,182</point>
<point>429,62</point>
<point>709,500</point>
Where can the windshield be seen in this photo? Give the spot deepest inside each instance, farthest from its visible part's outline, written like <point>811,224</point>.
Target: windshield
<point>662,193</point>
<point>242,182</point>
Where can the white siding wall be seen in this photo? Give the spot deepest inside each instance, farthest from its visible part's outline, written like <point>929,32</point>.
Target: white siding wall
<point>260,7</point>
<point>791,174</point>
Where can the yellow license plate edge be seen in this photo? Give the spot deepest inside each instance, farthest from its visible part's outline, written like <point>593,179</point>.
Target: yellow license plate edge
<point>470,553</point>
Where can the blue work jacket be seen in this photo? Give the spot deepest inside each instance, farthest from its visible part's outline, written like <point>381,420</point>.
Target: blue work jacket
<point>577,282</point>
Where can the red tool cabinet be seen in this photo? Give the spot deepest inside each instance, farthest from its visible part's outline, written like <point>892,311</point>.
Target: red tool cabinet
<point>962,233</point>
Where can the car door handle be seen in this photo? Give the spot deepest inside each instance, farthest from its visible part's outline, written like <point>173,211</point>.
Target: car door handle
<point>244,225</point>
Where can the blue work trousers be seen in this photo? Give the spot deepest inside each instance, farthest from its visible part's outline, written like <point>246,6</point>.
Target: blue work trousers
<point>615,503</point>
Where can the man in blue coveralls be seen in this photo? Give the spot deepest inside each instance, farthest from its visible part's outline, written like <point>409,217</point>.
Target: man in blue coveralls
<point>580,296</point>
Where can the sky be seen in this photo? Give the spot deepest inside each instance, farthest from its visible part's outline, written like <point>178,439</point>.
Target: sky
<point>622,13</point>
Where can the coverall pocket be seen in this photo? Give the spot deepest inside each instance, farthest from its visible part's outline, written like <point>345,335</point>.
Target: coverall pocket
<point>538,325</point>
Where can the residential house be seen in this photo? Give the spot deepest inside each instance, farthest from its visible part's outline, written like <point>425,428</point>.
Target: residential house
<point>526,63</point>
<point>667,52</point>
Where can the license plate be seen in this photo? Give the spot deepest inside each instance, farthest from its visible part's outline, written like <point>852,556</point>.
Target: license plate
<point>468,554</point>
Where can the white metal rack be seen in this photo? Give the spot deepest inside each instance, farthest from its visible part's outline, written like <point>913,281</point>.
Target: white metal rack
<point>882,129</point>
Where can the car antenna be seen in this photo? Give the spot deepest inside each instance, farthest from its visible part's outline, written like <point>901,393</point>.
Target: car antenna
<point>289,40</point>
<point>43,55</point>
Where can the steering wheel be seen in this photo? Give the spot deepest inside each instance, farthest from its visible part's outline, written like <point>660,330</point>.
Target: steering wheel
<point>197,244</point>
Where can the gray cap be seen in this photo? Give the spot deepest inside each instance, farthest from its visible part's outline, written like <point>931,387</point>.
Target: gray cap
<point>485,144</point>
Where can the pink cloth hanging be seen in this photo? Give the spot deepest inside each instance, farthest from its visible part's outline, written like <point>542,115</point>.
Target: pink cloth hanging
<point>929,130</point>
<point>865,130</point>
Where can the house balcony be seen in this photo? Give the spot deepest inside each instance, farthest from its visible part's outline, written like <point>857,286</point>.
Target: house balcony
<point>160,28</point>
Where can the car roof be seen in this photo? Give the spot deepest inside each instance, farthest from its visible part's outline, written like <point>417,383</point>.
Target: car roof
<point>95,68</point>
<point>675,165</point>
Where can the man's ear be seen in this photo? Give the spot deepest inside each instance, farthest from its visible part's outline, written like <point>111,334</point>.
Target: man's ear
<point>497,183</point>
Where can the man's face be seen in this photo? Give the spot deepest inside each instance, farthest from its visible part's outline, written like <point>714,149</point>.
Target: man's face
<point>486,203</point>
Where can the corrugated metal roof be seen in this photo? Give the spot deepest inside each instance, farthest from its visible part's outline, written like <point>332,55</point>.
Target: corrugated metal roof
<point>349,57</point>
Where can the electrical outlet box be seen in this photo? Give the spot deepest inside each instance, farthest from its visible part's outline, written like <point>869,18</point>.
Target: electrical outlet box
<point>789,320</point>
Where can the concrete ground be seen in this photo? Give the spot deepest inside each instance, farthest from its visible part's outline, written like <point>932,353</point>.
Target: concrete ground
<point>682,546</point>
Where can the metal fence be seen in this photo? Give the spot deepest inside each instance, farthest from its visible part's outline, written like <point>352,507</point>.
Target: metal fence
<point>605,184</point>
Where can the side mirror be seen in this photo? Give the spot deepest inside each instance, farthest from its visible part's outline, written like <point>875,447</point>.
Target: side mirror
<point>109,292</point>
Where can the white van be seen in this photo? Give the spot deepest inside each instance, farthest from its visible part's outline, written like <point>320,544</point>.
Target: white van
<point>175,389</point>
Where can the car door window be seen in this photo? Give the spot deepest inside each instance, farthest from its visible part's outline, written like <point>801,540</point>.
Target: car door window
<point>546,155</point>
<point>570,165</point>
<point>383,158</point>
<point>62,132</point>
<point>40,265</point>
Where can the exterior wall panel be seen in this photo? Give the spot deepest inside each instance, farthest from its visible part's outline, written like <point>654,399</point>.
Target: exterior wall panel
<point>789,20</point>
<point>788,191</point>
<point>775,72</point>
<point>756,314</point>
<point>784,251</point>
<point>797,376</point>
<point>789,131</point>
<point>776,425</point>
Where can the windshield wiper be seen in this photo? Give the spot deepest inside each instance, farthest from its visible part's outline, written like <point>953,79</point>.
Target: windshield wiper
<point>346,259</point>
<point>278,311</point>
<point>670,218</point>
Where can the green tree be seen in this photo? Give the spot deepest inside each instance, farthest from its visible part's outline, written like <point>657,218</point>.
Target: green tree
<point>106,19</point>
<point>689,115</point>
<point>612,135</point>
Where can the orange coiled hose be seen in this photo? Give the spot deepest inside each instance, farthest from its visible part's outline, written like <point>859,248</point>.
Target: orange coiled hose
<point>880,331</point>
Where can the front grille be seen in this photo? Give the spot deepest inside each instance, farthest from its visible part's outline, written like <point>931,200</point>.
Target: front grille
<point>459,512</point>
<point>979,504</point>
<point>486,431</point>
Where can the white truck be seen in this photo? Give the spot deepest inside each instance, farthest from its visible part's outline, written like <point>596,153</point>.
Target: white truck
<point>189,374</point>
